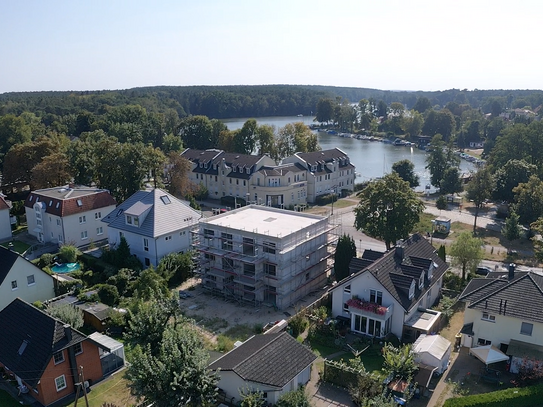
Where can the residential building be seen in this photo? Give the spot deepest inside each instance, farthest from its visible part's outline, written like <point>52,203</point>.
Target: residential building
<point>68,215</point>
<point>329,171</point>
<point>390,293</point>
<point>45,355</point>
<point>267,255</point>
<point>154,223</point>
<point>5,219</point>
<point>504,310</point>
<point>280,186</point>
<point>273,364</point>
<point>20,278</point>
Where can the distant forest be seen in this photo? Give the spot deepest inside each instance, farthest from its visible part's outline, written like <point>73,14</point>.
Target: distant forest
<point>221,102</point>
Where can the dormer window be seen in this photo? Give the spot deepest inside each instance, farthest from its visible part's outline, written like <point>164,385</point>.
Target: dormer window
<point>201,165</point>
<point>421,281</point>
<point>30,198</point>
<point>412,290</point>
<point>128,219</point>
<point>205,165</point>
<point>214,166</point>
<point>233,168</point>
<point>248,170</point>
<point>313,168</point>
<point>136,221</point>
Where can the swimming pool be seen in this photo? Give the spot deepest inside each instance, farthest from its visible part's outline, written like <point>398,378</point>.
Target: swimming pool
<point>65,268</point>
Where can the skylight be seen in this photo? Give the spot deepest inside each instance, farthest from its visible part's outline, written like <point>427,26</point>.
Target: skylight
<point>22,347</point>
<point>79,202</point>
<point>165,199</point>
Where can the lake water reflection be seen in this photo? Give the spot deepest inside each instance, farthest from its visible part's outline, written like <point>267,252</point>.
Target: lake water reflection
<point>372,158</point>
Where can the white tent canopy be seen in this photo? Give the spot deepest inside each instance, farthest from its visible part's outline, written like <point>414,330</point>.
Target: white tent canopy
<point>488,354</point>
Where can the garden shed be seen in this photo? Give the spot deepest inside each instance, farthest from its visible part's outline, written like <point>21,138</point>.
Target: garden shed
<point>433,350</point>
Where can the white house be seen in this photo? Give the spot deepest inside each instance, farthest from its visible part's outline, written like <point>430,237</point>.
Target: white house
<point>329,171</point>
<point>5,220</point>
<point>273,364</point>
<point>259,254</point>
<point>70,215</point>
<point>504,310</point>
<point>20,278</point>
<point>154,223</point>
<point>433,350</point>
<point>391,292</point>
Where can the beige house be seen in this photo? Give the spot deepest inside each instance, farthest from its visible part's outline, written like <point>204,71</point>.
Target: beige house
<point>20,278</point>
<point>70,215</point>
<point>504,310</point>
<point>5,220</point>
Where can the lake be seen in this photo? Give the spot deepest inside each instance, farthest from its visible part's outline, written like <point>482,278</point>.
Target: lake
<point>372,159</point>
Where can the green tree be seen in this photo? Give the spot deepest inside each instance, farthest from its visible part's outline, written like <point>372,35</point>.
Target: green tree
<point>345,251</point>
<point>513,173</point>
<point>67,313</point>
<point>451,182</point>
<point>439,159</point>
<point>441,202</point>
<point>388,210</point>
<point>172,143</point>
<point>422,104</point>
<point>150,285</point>
<point>52,171</point>
<point>466,252</point>
<point>441,253</point>
<point>13,131</point>
<point>411,123</point>
<point>252,398</point>
<point>108,294</point>
<point>478,190</point>
<point>294,398</point>
<point>266,140</point>
<point>245,138</point>
<point>367,386</point>
<point>176,268</point>
<point>529,200</point>
<point>398,362</point>
<point>197,132</point>
<point>69,253</point>
<point>325,110</point>
<point>537,229</point>
<point>176,373</point>
<point>512,228</point>
<point>406,170</point>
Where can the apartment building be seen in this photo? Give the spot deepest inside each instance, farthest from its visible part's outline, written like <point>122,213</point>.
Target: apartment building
<point>263,255</point>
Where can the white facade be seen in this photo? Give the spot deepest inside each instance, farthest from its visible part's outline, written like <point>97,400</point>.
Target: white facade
<point>232,383</point>
<point>260,255</point>
<point>26,281</point>
<point>5,225</point>
<point>68,215</point>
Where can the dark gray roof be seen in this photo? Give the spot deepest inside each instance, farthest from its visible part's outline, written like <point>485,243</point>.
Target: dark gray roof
<point>271,359</point>
<point>394,270</point>
<point>7,260</point>
<point>281,169</point>
<point>166,214</point>
<point>520,297</point>
<point>357,264</point>
<point>44,336</point>
<point>372,254</point>
<point>212,158</point>
<point>325,156</point>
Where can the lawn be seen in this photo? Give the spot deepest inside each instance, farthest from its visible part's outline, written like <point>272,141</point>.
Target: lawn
<point>113,390</point>
<point>18,246</point>
<point>372,359</point>
<point>7,401</point>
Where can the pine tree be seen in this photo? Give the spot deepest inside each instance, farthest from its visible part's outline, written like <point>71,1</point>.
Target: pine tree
<point>345,251</point>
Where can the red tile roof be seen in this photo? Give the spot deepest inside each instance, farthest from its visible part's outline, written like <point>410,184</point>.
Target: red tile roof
<point>77,204</point>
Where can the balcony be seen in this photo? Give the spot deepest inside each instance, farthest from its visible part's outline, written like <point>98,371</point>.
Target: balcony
<point>370,309</point>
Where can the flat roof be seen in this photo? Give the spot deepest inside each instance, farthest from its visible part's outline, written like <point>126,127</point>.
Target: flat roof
<point>264,220</point>
<point>66,192</point>
<point>423,320</point>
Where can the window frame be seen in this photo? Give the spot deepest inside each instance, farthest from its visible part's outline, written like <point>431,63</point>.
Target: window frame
<point>489,317</point>
<point>524,332</point>
<point>63,378</point>
<point>14,286</point>
<point>28,282</point>
<point>76,351</point>
<point>58,362</point>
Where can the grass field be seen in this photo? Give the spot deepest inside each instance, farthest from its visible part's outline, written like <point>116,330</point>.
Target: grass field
<point>18,246</point>
<point>113,390</point>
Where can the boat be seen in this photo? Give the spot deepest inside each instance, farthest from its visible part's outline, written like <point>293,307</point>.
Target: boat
<point>331,132</point>
<point>300,115</point>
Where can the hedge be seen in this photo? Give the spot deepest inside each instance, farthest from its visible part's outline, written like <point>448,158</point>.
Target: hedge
<point>514,397</point>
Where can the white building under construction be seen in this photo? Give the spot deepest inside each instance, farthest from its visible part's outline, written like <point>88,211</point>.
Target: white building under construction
<point>264,255</point>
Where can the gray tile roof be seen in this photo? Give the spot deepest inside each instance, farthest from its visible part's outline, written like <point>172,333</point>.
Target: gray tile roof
<point>44,336</point>
<point>213,158</point>
<point>270,359</point>
<point>520,297</point>
<point>395,270</point>
<point>281,169</point>
<point>162,218</point>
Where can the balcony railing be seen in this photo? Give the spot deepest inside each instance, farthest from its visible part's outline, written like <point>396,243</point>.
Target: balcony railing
<point>369,308</point>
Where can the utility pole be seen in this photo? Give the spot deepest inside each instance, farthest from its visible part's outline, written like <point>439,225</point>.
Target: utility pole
<point>80,385</point>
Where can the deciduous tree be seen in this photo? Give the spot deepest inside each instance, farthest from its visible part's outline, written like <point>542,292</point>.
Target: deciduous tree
<point>294,398</point>
<point>512,228</point>
<point>513,173</point>
<point>466,252</point>
<point>345,251</point>
<point>406,170</point>
<point>529,200</point>
<point>451,183</point>
<point>479,189</point>
<point>388,209</point>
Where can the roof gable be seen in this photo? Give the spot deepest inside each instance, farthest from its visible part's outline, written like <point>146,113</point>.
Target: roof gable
<point>41,334</point>
<point>270,359</point>
<point>8,258</point>
<point>164,214</point>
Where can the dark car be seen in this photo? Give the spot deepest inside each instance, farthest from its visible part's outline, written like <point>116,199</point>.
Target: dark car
<point>483,271</point>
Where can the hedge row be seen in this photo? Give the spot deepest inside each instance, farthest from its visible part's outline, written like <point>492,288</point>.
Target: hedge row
<point>514,397</point>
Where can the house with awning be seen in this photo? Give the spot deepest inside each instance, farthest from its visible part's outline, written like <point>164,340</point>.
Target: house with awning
<point>503,310</point>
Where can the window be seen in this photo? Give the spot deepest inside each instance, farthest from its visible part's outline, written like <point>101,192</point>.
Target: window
<point>208,233</point>
<point>168,238</point>
<point>248,246</point>
<point>30,279</point>
<point>165,200</point>
<point>59,357</point>
<point>79,203</point>
<point>483,342</point>
<point>98,215</point>
<point>99,231</point>
<point>526,328</point>
<point>146,244</point>
<point>82,219</point>
<point>14,285</point>
<point>347,289</point>
<point>227,243</point>
<point>78,348</point>
<point>84,235</point>
<point>268,247</point>
<point>129,219</point>
<point>270,269</point>
<point>345,307</point>
<point>58,222</point>
<point>60,383</point>
<point>376,297</point>
<point>147,262</point>
<point>488,317</point>
<point>136,221</point>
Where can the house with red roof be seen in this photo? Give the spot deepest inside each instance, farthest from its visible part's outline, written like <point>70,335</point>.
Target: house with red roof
<point>68,214</point>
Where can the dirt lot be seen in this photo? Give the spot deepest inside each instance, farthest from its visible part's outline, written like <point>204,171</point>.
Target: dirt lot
<point>218,315</point>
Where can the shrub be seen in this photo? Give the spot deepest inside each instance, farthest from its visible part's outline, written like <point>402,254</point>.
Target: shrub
<point>69,253</point>
<point>68,314</point>
<point>441,202</point>
<point>108,294</point>
<point>65,287</point>
<point>513,397</point>
<point>46,260</point>
<point>298,323</point>
<point>224,343</point>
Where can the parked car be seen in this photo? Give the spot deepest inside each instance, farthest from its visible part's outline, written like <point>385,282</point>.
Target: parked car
<point>184,294</point>
<point>483,271</point>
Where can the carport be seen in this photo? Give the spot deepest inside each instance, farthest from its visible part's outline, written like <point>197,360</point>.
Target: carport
<point>488,354</point>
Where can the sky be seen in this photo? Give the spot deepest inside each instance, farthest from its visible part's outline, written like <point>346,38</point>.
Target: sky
<point>383,44</point>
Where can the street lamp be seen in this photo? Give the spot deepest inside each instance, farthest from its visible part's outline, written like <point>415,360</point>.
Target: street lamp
<point>333,191</point>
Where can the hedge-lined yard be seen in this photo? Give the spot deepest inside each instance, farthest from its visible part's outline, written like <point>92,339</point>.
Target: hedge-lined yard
<point>531,396</point>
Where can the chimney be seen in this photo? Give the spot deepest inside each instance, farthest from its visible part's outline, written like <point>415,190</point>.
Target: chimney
<point>398,250</point>
<point>501,302</point>
<point>512,267</point>
<point>68,332</point>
